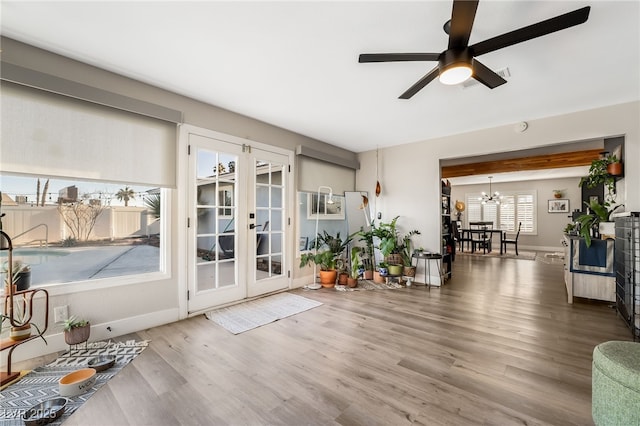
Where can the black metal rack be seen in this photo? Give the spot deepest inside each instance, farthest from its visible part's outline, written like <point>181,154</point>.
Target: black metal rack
<point>448,242</point>
<point>627,266</point>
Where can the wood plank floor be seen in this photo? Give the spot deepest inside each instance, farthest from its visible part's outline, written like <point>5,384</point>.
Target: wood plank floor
<point>498,344</point>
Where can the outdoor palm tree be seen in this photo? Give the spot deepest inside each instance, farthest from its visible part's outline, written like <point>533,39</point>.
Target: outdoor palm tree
<point>125,194</point>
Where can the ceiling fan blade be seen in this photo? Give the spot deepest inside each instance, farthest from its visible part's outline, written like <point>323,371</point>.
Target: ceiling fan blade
<point>485,76</point>
<point>462,16</point>
<point>548,26</point>
<point>420,84</point>
<point>397,57</point>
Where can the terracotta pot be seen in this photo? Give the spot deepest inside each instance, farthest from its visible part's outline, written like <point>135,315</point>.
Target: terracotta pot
<point>342,278</point>
<point>20,333</point>
<point>377,278</point>
<point>558,195</point>
<point>352,282</point>
<point>77,335</point>
<point>368,274</point>
<point>614,169</point>
<point>328,278</point>
<point>409,271</point>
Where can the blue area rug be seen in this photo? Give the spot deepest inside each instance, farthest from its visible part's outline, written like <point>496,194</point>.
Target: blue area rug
<point>42,383</point>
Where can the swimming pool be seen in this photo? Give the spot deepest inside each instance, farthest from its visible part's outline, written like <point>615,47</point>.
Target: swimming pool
<point>35,256</point>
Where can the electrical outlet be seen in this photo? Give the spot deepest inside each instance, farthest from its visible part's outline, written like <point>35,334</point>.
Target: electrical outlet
<point>60,313</point>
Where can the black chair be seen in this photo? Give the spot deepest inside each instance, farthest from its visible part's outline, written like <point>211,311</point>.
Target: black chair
<point>504,241</point>
<point>480,239</point>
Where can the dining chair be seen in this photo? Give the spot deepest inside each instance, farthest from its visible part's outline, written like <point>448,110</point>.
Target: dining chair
<point>504,240</point>
<point>481,239</point>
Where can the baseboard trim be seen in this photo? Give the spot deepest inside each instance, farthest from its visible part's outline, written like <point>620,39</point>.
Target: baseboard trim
<point>103,331</point>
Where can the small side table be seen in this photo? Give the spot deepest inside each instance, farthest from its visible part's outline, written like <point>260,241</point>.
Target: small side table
<point>428,257</point>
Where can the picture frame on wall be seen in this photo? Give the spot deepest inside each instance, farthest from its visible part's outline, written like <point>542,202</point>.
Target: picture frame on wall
<point>559,205</point>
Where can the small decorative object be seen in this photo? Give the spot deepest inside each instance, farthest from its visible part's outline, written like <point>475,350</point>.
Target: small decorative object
<point>76,330</point>
<point>460,207</point>
<point>102,362</point>
<point>559,206</point>
<point>21,332</point>
<point>558,193</point>
<point>45,412</point>
<point>77,383</point>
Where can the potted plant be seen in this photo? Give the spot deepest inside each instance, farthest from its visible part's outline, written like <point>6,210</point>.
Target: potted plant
<point>76,330</point>
<point>356,267</point>
<point>21,275</point>
<point>590,222</point>
<point>379,275</point>
<point>332,249</point>
<point>599,175</point>
<point>392,244</point>
<point>21,325</point>
<point>558,193</point>
<point>570,229</point>
<point>343,275</point>
<point>369,252</point>
<point>407,254</point>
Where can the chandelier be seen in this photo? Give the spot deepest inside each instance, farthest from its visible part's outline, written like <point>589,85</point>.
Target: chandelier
<point>495,197</point>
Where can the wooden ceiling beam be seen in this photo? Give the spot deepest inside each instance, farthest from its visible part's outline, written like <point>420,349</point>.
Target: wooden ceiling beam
<point>538,162</point>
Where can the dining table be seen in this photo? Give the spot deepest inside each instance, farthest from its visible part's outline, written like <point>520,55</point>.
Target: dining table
<point>482,228</point>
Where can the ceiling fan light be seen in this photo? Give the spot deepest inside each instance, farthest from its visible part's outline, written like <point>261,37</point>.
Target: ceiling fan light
<point>456,74</point>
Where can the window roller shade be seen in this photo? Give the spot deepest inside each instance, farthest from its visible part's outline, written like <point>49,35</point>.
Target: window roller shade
<point>54,135</point>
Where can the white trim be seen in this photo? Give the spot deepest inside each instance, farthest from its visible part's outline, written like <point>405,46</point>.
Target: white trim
<point>55,342</point>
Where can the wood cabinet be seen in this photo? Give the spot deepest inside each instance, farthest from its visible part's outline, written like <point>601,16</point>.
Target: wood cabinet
<point>587,279</point>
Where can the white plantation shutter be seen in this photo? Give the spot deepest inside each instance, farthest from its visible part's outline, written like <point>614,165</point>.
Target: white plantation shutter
<point>513,209</point>
<point>508,213</point>
<point>474,208</point>
<point>525,212</point>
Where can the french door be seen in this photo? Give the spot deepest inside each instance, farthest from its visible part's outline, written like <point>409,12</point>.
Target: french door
<point>238,221</point>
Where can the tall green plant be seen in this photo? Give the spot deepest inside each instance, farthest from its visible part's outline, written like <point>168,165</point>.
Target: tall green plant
<point>330,249</point>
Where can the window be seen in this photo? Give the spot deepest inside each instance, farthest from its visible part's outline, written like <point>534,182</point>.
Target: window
<point>514,207</point>
<point>73,231</point>
<point>84,187</point>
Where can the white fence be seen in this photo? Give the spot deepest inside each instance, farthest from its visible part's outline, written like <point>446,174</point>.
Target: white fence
<point>24,224</point>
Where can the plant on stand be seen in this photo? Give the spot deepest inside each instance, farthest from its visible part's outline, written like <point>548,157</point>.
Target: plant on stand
<point>392,244</point>
<point>20,311</point>
<point>599,175</point>
<point>76,330</point>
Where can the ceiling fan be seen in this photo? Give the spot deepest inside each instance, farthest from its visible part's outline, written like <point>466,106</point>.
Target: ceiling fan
<point>458,62</point>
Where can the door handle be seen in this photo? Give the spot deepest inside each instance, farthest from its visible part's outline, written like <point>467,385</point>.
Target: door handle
<point>252,226</point>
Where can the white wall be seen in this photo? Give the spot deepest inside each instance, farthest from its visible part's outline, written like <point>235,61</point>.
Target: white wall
<point>410,173</point>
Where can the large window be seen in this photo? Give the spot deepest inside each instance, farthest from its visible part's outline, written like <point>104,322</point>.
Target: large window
<point>514,207</point>
<point>72,230</point>
<point>84,186</point>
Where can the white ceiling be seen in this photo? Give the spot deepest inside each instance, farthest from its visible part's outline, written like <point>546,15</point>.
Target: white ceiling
<point>295,64</point>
